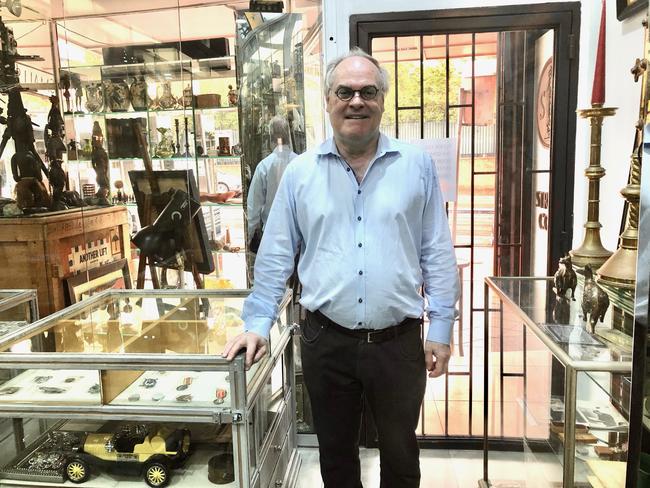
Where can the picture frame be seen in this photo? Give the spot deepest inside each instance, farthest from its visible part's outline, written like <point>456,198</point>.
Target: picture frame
<point>112,275</point>
<point>627,8</point>
<point>152,190</point>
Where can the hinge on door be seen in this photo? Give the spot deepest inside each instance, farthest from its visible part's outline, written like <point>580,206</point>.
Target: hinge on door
<point>572,46</point>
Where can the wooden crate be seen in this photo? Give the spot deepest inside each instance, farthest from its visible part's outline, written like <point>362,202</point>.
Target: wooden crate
<point>42,251</point>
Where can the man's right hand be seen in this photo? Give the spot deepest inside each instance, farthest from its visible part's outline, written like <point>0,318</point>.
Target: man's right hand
<point>255,345</point>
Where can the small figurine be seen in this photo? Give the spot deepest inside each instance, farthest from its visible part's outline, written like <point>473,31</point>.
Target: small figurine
<point>232,96</point>
<point>594,300</point>
<point>565,278</point>
<point>72,150</point>
<point>75,82</point>
<point>54,148</point>
<point>119,197</point>
<point>99,160</point>
<point>65,83</point>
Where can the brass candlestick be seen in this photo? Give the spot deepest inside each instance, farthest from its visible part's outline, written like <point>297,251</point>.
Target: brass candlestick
<point>592,251</point>
<point>620,268</point>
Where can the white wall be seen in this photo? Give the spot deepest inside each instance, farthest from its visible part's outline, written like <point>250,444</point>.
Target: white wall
<point>624,45</point>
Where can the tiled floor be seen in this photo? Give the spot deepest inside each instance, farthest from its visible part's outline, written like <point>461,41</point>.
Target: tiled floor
<point>442,469</point>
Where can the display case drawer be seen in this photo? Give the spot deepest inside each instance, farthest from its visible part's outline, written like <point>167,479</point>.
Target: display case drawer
<point>279,473</point>
<point>274,447</point>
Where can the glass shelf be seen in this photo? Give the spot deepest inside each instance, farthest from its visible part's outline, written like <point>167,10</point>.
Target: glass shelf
<point>175,158</point>
<point>128,113</point>
<point>535,300</point>
<point>203,204</point>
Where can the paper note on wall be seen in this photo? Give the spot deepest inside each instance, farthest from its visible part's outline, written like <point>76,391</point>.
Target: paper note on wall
<point>444,155</point>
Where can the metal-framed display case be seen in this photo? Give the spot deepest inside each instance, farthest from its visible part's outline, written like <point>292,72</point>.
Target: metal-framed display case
<point>131,386</point>
<point>185,107</point>
<point>554,388</point>
<point>17,309</point>
<point>270,72</point>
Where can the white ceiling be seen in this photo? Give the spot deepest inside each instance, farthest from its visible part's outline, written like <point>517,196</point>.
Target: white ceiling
<point>93,24</point>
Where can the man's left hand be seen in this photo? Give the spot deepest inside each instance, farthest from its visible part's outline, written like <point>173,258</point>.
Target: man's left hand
<point>436,357</point>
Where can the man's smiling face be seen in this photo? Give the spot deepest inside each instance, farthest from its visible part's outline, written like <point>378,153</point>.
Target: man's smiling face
<point>355,122</point>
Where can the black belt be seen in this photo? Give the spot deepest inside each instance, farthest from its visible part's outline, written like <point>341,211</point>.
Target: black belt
<point>369,335</point>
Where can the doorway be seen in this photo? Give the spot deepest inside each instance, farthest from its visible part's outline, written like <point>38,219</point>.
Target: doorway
<point>502,82</point>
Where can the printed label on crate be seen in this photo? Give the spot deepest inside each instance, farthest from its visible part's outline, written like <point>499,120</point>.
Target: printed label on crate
<point>93,254</point>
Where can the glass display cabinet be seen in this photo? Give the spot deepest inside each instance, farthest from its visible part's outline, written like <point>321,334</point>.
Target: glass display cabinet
<point>131,386</point>
<point>17,309</point>
<point>167,106</point>
<point>555,384</point>
<point>271,77</point>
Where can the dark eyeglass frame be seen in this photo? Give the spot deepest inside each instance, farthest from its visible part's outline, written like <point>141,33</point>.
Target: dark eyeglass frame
<point>363,93</point>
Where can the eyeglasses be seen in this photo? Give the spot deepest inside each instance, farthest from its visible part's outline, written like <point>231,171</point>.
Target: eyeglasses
<point>346,94</point>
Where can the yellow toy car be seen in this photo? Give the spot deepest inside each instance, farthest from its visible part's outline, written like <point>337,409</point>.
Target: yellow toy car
<point>151,453</point>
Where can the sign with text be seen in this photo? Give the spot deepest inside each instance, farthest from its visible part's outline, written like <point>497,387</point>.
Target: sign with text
<point>444,155</point>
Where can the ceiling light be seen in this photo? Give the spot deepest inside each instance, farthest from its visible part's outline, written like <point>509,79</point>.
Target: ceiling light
<point>14,6</point>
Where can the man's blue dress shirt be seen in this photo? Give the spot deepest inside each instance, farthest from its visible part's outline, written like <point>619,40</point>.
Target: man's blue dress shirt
<point>365,249</point>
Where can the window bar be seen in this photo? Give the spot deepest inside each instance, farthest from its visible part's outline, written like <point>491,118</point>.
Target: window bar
<point>501,372</point>
<point>423,410</point>
<point>525,333</point>
<point>395,83</point>
<point>472,226</point>
<point>455,206</point>
<point>421,87</point>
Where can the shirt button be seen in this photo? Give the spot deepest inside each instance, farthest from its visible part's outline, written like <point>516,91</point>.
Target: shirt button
<point>359,323</point>
<point>358,192</point>
<point>359,219</point>
<point>360,272</point>
<point>360,244</point>
<point>360,300</point>
<point>348,170</point>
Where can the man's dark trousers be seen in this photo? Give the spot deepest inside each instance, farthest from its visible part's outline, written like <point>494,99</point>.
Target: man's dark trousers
<point>339,369</point>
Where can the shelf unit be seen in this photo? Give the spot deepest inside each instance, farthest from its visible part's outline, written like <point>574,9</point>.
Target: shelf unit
<point>209,130</point>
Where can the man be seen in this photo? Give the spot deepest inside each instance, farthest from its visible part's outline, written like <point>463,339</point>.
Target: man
<point>367,216</point>
<point>266,179</point>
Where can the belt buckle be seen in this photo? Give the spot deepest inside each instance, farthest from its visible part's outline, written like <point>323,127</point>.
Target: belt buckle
<point>369,338</point>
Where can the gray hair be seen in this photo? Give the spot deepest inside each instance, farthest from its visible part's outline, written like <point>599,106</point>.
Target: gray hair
<point>279,129</point>
<point>356,52</point>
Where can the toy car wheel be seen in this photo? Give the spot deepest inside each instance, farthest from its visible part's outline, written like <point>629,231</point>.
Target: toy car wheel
<point>156,474</point>
<point>222,187</point>
<point>76,470</point>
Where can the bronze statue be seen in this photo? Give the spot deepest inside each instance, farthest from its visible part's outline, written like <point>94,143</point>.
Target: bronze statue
<point>594,300</point>
<point>565,278</point>
<point>99,160</point>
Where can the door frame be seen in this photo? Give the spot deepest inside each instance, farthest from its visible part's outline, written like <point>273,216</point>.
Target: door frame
<point>564,19</point>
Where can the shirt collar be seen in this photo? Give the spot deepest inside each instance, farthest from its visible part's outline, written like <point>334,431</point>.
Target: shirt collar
<point>385,145</point>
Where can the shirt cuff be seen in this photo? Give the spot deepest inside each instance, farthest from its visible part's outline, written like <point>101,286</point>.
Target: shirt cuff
<point>439,330</point>
<point>259,325</point>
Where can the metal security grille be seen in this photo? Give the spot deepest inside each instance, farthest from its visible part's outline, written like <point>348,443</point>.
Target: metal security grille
<point>445,70</point>
<point>473,75</point>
